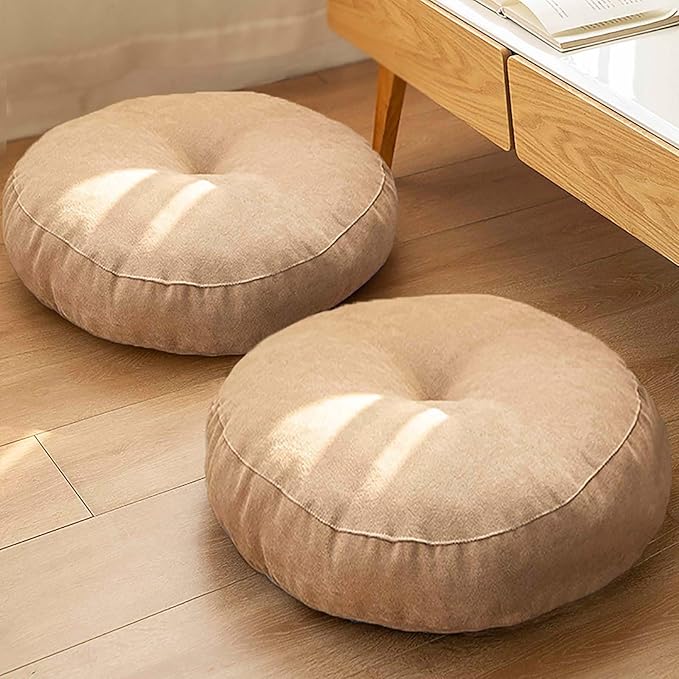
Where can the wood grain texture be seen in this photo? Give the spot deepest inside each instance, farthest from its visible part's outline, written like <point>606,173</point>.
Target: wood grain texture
<point>455,65</point>
<point>428,135</point>
<point>618,168</point>
<point>252,629</point>
<point>247,630</point>
<point>469,191</point>
<point>628,629</point>
<point>90,578</point>
<point>34,496</point>
<point>388,106</point>
<point>151,447</point>
<point>519,255</point>
<point>434,139</point>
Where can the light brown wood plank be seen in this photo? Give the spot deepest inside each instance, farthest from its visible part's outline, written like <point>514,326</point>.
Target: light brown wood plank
<point>522,250</point>
<point>49,395</point>
<point>613,165</point>
<point>125,455</point>
<point>449,61</point>
<point>34,496</point>
<point>71,585</point>
<point>433,139</point>
<point>250,629</point>
<point>469,191</point>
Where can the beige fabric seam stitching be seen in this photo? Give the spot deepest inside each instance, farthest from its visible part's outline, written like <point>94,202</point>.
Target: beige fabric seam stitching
<point>436,543</point>
<point>12,184</point>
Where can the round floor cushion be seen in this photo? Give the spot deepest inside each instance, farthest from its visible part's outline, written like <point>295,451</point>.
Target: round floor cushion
<point>445,463</point>
<point>197,223</point>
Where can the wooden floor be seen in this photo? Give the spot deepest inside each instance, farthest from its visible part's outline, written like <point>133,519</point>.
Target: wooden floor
<point>111,564</point>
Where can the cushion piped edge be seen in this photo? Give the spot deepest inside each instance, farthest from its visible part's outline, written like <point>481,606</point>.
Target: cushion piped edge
<point>215,408</point>
<point>12,185</point>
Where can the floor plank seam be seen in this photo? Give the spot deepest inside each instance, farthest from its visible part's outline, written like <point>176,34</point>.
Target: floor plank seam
<point>40,350</point>
<point>452,164</point>
<point>547,278</point>
<point>131,404</point>
<point>152,495</point>
<point>485,220</point>
<point>604,258</point>
<point>73,488</point>
<point>19,440</point>
<point>108,511</point>
<point>47,532</point>
<point>132,622</point>
<point>630,308</point>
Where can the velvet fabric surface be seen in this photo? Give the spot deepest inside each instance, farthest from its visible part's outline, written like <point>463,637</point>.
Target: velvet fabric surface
<point>445,463</point>
<point>197,223</point>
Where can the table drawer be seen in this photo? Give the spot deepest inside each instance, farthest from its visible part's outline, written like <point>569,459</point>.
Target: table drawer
<point>613,165</point>
<point>452,63</point>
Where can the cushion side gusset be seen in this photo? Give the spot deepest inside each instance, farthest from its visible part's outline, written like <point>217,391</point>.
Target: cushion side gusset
<point>557,559</point>
<point>189,319</point>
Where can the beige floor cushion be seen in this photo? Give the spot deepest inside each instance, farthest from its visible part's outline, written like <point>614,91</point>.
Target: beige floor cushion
<point>197,223</point>
<point>443,463</point>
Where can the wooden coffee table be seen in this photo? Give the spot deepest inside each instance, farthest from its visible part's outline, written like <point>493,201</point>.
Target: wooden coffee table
<point>601,122</point>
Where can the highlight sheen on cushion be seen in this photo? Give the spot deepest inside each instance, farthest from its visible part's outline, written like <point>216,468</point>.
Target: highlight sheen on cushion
<point>197,223</point>
<point>445,463</point>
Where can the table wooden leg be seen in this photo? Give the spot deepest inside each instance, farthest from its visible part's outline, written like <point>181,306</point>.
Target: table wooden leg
<point>390,92</point>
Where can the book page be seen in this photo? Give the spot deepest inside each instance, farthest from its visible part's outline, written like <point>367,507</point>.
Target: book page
<point>558,16</point>
<point>497,5</point>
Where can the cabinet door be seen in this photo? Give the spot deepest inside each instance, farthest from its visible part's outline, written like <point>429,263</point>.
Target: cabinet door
<point>608,162</point>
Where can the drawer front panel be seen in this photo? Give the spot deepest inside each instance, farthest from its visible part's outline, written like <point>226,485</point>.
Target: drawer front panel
<point>452,63</point>
<point>613,165</point>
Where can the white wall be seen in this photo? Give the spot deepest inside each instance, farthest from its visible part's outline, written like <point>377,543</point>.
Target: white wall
<point>63,58</point>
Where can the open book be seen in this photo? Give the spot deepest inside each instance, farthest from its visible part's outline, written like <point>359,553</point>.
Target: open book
<point>567,24</point>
